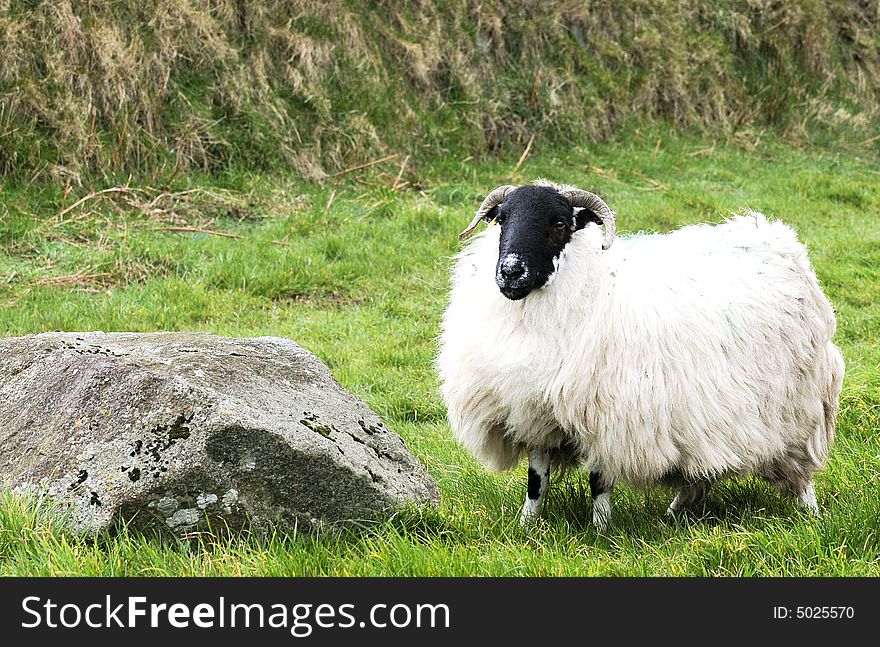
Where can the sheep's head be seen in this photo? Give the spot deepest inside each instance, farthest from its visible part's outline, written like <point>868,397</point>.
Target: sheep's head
<point>537,222</point>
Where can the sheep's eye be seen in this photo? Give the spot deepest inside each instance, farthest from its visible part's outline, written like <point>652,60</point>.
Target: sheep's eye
<point>560,225</point>
<point>500,218</point>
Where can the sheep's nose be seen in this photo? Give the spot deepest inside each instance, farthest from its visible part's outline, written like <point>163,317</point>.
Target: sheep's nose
<point>512,269</point>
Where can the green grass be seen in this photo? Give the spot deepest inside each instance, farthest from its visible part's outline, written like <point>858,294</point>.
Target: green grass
<point>362,283</point>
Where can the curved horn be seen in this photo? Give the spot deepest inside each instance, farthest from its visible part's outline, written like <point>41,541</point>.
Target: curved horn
<point>591,201</point>
<point>496,196</point>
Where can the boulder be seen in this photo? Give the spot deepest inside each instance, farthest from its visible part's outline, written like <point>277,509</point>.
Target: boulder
<point>190,432</point>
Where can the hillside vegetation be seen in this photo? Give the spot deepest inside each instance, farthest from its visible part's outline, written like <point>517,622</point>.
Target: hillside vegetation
<point>163,86</point>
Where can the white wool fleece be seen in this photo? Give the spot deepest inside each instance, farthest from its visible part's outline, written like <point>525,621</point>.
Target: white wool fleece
<point>703,352</point>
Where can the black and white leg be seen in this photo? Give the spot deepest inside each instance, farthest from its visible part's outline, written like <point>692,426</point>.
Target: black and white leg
<point>601,493</point>
<point>539,482</point>
<point>688,495</point>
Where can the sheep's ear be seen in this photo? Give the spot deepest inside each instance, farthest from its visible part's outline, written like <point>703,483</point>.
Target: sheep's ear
<point>491,214</point>
<point>583,217</point>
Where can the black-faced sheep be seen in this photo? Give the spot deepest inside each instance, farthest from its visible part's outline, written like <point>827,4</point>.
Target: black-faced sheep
<point>679,358</point>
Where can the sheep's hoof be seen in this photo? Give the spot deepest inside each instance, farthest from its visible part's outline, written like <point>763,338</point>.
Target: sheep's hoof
<point>810,508</point>
<point>676,507</point>
<point>807,501</point>
<point>529,515</point>
<point>526,520</point>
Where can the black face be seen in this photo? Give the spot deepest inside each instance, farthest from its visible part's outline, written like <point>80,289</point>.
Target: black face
<point>536,225</point>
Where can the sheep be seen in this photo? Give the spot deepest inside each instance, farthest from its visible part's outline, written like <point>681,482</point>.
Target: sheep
<point>676,359</point>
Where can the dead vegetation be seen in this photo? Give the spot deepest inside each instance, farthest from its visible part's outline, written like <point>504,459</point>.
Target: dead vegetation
<point>195,208</point>
<point>82,281</point>
<point>317,87</point>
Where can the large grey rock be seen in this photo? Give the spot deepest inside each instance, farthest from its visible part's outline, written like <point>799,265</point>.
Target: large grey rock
<point>190,431</point>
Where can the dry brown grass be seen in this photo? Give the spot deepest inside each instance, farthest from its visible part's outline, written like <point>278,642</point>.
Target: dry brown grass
<point>88,86</point>
<point>198,207</point>
<point>82,281</point>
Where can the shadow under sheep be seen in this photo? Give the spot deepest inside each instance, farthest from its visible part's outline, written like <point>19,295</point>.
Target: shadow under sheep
<point>642,513</point>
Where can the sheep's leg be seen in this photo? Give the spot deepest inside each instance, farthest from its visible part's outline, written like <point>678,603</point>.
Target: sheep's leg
<point>807,499</point>
<point>688,495</point>
<point>601,493</point>
<point>787,476</point>
<point>539,481</point>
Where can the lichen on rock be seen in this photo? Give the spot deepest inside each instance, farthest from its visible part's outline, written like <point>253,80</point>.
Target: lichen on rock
<point>187,431</point>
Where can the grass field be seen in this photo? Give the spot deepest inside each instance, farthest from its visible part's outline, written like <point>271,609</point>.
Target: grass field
<point>356,271</point>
